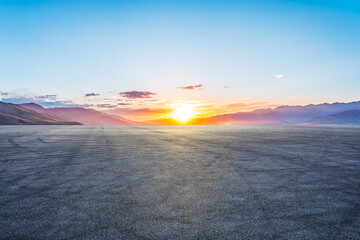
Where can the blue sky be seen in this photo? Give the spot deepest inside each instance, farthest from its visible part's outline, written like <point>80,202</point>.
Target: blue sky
<point>73,48</point>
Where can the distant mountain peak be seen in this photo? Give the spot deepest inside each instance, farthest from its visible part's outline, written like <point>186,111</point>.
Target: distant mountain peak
<point>345,117</point>
<point>86,116</point>
<point>31,104</point>
<point>13,114</point>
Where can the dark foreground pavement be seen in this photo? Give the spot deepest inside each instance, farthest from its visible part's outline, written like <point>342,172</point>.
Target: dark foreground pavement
<point>180,182</point>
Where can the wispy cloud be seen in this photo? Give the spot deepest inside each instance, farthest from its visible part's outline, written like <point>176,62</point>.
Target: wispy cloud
<point>123,104</point>
<point>278,76</point>
<point>226,86</point>
<point>106,105</point>
<point>137,94</point>
<point>29,97</point>
<point>66,103</point>
<point>92,94</point>
<point>111,105</point>
<point>15,97</point>
<point>192,87</point>
<point>48,100</point>
<point>51,97</point>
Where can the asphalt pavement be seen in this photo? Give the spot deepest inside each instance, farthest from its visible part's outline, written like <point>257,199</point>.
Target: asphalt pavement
<point>179,182</point>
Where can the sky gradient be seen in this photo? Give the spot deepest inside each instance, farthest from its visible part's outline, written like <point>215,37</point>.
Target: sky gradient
<point>128,57</point>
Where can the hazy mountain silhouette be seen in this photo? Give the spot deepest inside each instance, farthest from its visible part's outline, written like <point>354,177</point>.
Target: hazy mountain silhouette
<point>346,117</point>
<point>257,117</point>
<point>81,115</point>
<point>335,113</point>
<point>12,114</point>
<point>301,114</point>
<point>279,115</point>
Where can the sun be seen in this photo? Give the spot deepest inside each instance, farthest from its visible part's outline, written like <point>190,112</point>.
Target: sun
<point>183,113</point>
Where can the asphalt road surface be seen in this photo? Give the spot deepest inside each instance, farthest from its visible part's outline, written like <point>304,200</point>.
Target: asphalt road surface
<point>179,182</point>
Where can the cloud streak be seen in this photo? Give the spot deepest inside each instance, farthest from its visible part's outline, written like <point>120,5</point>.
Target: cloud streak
<point>137,94</point>
<point>92,94</point>
<point>192,87</point>
<point>48,100</point>
<point>105,105</point>
<point>52,97</point>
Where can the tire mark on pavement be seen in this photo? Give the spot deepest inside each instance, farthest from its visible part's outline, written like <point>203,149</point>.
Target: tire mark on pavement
<point>11,140</point>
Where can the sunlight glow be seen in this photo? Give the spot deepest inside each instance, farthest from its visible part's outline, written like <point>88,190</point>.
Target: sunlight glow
<point>183,113</point>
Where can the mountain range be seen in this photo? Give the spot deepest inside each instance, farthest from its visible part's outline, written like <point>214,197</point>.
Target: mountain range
<point>286,115</point>
<point>301,114</point>
<point>13,114</point>
<point>326,113</point>
<point>82,115</point>
<point>283,115</point>
<point>346,117</point>
<point>256,117</point>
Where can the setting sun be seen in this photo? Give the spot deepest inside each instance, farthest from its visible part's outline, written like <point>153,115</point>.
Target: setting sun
<point>183,113</point>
